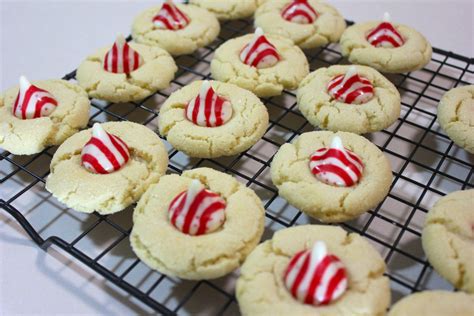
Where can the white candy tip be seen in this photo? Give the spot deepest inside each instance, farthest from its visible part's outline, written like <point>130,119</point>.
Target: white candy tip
<point>351,71</point>
<point>97,130</point>
<point>24,83</point>
<point>337,143</point>
<point>195,186</point>
<point>259,31</point>
<point>120,39</point>
<point>319,249</point>
<point>386,17</point>
<point>206,84</point>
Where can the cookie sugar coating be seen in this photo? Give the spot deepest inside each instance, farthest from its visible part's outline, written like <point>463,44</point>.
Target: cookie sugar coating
<point>434,303</point>
<point>414,54</point>
<point>164,248</point>
<point>201,31</point>
<point>261,291</point>
<point>229,9</point>
<point>456,116</point>
<point>327,28</point>
<point>26,137</point>
<point>322,111</point>
<point>87,192</point>
<point>247,125</point>
<point>292,175</point>
<point>448,237</point>
<point>155,74</point>
<point>226,66</point>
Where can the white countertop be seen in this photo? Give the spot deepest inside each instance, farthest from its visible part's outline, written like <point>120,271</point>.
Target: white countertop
<point>46,39</point>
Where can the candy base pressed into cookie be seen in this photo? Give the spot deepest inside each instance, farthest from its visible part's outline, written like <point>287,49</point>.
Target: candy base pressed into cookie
<point>226,66</point>
<point>296,183</point>
<point>155,74</point>
<point>323,111</point>
<point>414,54</point>
<point>261,290</point>
<point>228,9</point>
<point>456,116</point>
<point>87,192</point>
<point>164,248</point>
<point>247,125</point>
<point>30,136</point>
<point>327,27</point>
<point>434,303</point>
<point>201,31</point>
<point>447,238</point>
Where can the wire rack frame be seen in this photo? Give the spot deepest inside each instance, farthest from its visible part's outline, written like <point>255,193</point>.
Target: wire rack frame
<point>425,163</point>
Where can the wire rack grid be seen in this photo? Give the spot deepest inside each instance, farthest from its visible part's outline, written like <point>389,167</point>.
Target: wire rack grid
<point>426,165</point>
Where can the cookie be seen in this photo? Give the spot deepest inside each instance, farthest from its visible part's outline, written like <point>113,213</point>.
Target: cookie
<point>309,24</point>
<point>229,9</point>
<point>307,175</point>
<point>72,182</point>
<point>262,289</point>
<point>405,50</point>
<point>229,66</point>
<point>354,99</point>
<point>31,135</point>
<point>171,251</point>
<point>447,238</point>
<point>456,116</point>
<point>434,303</point>
<point>155,73</point>
<point>202,28</point>
<point>246,124</point>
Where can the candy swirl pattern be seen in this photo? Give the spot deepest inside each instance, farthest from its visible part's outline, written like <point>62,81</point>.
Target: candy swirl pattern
<point>351,88</point>
<point>336,165</point>
<point>33,102</point>
<point>170,17</point>
<point>197,211</point>
<point>121,58</point>
<point>208,109</point>
<point>104,153</point>
<point>259,53</point>
<point>299,11</point>
<point>385,35</point>
<point>315,277</point>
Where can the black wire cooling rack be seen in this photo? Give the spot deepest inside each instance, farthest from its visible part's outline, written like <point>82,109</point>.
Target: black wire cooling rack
<point>426,165</point>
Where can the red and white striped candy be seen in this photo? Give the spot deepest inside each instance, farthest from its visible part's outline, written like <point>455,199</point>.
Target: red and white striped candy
<point>170,17</point>
<point>385,35</point>
<point>316,277</point>
<point>121,58</point>
<point>33,102</point>
<point>336,165</point>
<point>104,153</point>
<point>299,11</point>
<point>351,88</point>
<point>259,53</point>
<point>197,211</point>
<point>208,108</point>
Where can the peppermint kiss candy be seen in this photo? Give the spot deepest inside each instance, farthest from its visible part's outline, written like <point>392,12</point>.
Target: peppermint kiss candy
<point>351,88</point>
<point>259,52</point>
<point>170,17</point>
<point>299,11</point>
<point>336,165</point>
<point>104,153</point>
<point>197,211</point>
<point>385,35</point>
<point>121,58</point>
<point>316,277</point>
<point>208,109</point>
<point>33,102</point>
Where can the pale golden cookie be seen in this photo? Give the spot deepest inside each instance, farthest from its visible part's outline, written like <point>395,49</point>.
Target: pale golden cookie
<point>164,248</point>
<point>448,238</point>
<point>327,28</point>
<point>296,183</point>
<point>201,31</point>
<point>228,9</point>
<point>261,290</point>
<point>226,66</point>
<point>155,74</point>
<point>323,111</point>
<point>414,54</point>
<point>434,303</point>
<point>456,116</point>
<point>248,123</point>
<point>31,136</point>
<point>87,192</point>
